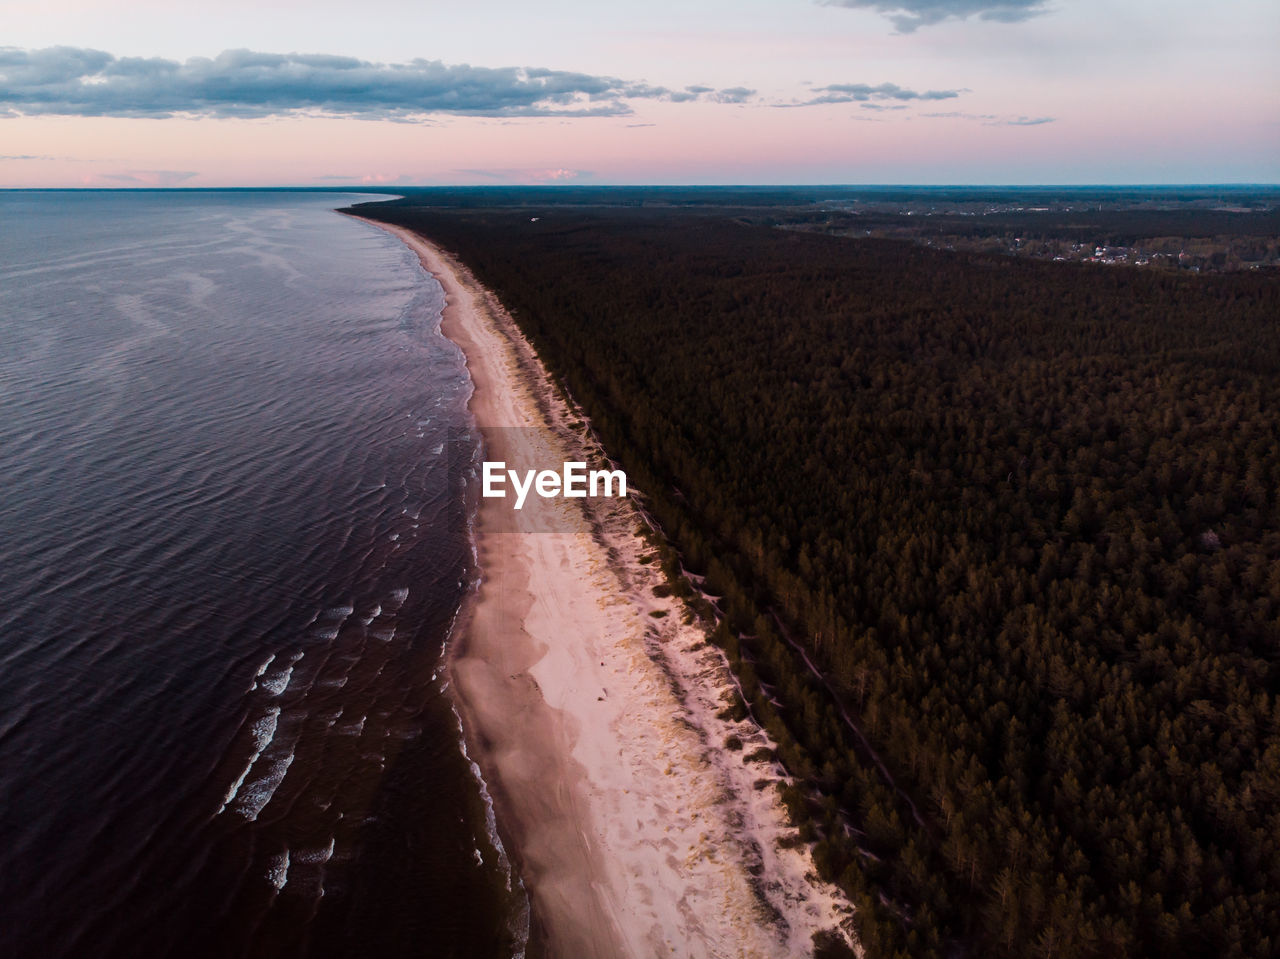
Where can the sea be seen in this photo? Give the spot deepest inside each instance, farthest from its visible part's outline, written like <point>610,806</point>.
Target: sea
<point>234,541</point>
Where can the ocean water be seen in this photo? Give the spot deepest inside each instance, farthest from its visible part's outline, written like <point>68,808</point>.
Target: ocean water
<point>233,446</point>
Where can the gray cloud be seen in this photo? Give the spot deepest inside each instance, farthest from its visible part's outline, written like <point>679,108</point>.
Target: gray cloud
<point>907,15</point>
<point>955,115</point>
<point>688,93</point>
<point>25,156</point>
<point>991,119</point>
<point>865,92</point>
<point>69,81</point>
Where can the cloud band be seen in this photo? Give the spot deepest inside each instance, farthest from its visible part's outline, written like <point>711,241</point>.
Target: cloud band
<point>907,15</point>
<point>71,81</point>
<point>865,93</point>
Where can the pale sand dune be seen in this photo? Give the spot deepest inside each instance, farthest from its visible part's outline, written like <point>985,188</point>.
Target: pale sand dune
<point>635,831</point>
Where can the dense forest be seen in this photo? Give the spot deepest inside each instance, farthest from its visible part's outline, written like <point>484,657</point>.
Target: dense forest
<point>994,546</point>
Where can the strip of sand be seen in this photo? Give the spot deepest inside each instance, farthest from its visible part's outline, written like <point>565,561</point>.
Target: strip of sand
<point>593,709</point>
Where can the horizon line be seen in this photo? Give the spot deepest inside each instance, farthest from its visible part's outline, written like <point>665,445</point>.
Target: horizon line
<point>381,188</point>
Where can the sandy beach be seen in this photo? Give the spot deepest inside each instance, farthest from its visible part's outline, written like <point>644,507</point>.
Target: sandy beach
<point>591,705</point>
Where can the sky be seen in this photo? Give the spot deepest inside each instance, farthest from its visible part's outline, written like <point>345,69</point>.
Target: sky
<point>105,93</point>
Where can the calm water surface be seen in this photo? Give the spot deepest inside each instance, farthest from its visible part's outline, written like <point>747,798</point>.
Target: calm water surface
<point>232,545</point>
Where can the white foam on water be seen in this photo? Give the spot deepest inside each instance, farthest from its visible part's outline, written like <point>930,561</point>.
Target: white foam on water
<point>490,821</point>
<point>384,635</point>
<point>334,683</point>
<point>327,633</point>
<point>264,730</point>
<point>315,856</point>
<point>235,786</point>
<point>278,683</point>
<point>261,669</point>
<point>256,796</point>
<point>340,612</point>
<point>373,614</point>
<point>400,595</point>
<point>437,449</point>
<point>278,871</point>
<point>353,729</point>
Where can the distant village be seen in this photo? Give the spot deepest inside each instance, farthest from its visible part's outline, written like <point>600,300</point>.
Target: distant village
<point>1195,237</point>
<point>1207,255</point>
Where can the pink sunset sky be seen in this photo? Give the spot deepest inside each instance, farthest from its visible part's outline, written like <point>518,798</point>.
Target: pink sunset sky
<point>794,91</point>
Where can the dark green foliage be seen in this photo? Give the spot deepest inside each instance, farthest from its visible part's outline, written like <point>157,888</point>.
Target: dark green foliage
<point>828,945</point>
<point>1022,518</point>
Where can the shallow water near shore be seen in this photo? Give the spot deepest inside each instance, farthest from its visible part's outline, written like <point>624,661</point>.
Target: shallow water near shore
<point>235,548</point>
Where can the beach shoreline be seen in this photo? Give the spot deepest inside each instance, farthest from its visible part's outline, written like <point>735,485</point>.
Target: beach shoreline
<point>595,708</point>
